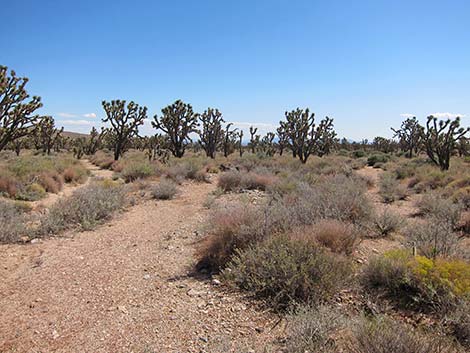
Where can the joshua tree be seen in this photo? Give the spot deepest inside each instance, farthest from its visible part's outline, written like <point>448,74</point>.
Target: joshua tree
<point>267,144</point>
<point>16,109</point>
<point>79,146</point>
<point>18,144</point>
<point>305,138</point>
<point>440,139</point>
<point>124,123</point>
<point>46,135</point>
<point>254,139</point>
<point>94,141</point>
<point>283,140</point>
<point>230,138</point>
<point>239,136</point>
<point>178,120</point>
<point>212,133</point>
<point>409,136</point>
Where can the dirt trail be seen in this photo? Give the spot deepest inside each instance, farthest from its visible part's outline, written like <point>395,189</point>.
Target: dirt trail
<point>68,189</point>
<point>123,287</point>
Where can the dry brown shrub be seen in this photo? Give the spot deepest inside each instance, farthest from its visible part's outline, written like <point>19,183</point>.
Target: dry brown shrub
<point>8,186</point>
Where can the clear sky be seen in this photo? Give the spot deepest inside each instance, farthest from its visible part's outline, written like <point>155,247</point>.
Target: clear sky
<point>365,63</point>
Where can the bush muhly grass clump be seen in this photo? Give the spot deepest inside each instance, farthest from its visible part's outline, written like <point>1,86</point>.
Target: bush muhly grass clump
<point>86,208</point>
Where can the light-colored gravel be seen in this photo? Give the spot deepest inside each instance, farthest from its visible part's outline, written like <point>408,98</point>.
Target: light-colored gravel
<point>125,287</point>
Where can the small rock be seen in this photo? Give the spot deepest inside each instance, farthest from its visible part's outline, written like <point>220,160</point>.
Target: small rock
<point>193,293</point>
<point>34,241</point>
<point>147,276</point>
<point>55,334</point>
<point>216,282</point>
<point>203,339</point>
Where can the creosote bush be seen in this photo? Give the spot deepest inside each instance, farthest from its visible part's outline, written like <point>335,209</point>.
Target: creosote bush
<point>283,271</point>
<point>164,190</point>
<point>86,208</point>
<point>458,322</point>
<point>137,170</point>
<point>441,209</point>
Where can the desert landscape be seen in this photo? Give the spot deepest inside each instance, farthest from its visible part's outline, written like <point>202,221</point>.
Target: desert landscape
<point>247,177</point>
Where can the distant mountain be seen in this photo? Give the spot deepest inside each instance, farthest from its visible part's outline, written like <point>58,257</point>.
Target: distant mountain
<point>74,135</point>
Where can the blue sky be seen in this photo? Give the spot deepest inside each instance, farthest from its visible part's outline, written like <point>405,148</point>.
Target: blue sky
<point>365,63</point>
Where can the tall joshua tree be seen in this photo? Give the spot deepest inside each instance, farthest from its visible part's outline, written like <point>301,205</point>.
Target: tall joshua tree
<point>440,139</point>
<point>305,138</point>
<point>46,134</point>
<point>409,136</point>
<point>211,136</point>
<point>178,120</point>
<point>230,138</point>
<point>94,142</point>
<point>283,140</point>
<point>124,124</point>
<point>16,109</point>
<point>254,139</point>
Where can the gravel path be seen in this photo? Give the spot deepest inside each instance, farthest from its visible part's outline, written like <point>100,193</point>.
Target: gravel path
<point>125,287</point>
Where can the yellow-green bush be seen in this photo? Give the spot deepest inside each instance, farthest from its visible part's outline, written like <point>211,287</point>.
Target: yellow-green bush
<point>419,281</point>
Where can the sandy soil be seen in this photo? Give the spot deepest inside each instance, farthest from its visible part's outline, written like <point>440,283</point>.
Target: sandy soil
<point>125,287</point>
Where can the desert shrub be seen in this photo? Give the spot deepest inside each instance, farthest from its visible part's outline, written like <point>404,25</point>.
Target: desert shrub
<point>375,159</point>
<point>385,222</point>
<point>383,335</point>
<point>74,175</point>
<point>31,192</point>
<point>433,238</point>
<point>459,323</point>
<point>137,170</point>
<point>358,154</point>
<point>339,197</point>
<point>442,209</point>
<point>232,227</point>
<point>12,222</point>
<point>284,271</point>
<point>102,159</point>
<point>311,329</point>
<point>235,181</point>
<point>390,189</point>
<point>230,181</point>
<point>52,182</point>
<point>418,281</point>
<point>8,186</point>
<point>462,197</point>
<point>86,208</point>
<point>339,237</point>
<point>164,190</point>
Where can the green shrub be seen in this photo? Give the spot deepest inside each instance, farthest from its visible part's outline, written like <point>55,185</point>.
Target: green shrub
<point>285,271</point>
<point>378,159</point>
<point>137,170</point>
<point>164,190</point>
